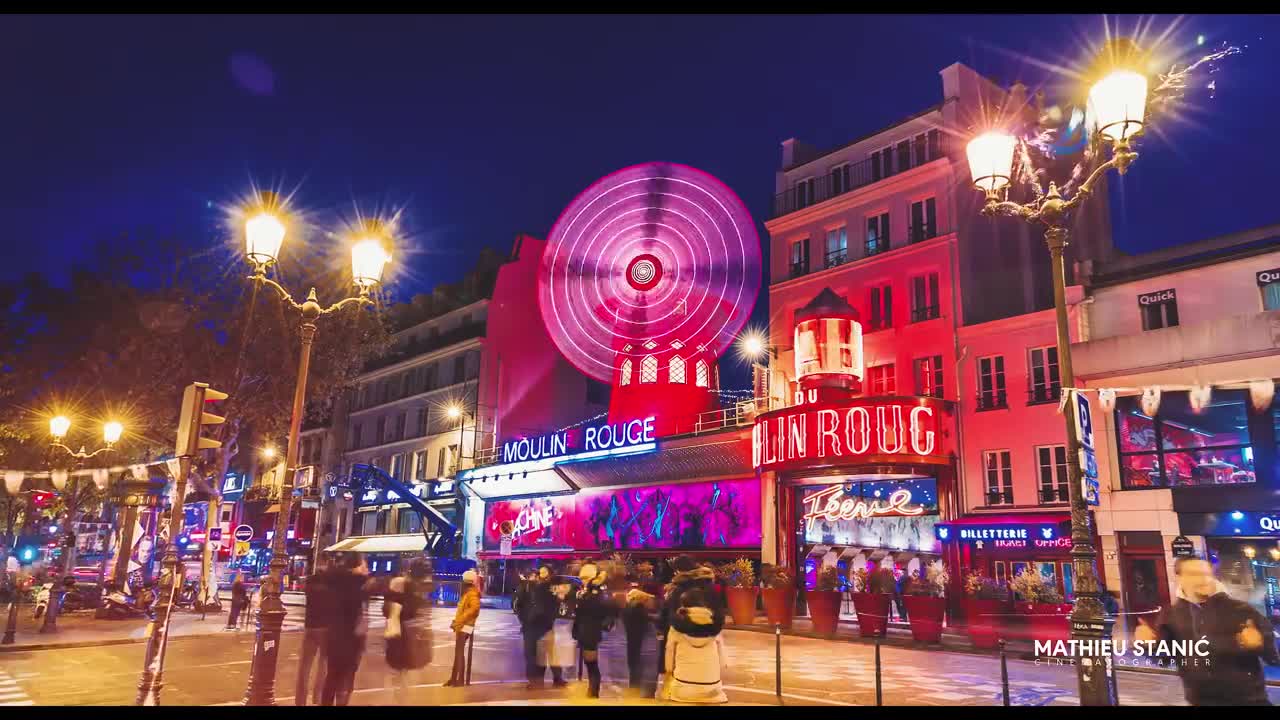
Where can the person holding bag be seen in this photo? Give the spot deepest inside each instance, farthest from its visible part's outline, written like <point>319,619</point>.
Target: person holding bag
<point>464,626</point>
<point>408,631</point>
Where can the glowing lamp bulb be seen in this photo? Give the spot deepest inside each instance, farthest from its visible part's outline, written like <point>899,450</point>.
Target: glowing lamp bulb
<point>112,431</point>
<point>1237,515</point>
<point>59,426</point>
<point>753,345</point>
<point>368,258</point>
<point>991,160</point>
<point>1249,551</point>
<point>454,412</point>
<point>263,234</point>
<point>1118,103</point>
<point>268,452</point>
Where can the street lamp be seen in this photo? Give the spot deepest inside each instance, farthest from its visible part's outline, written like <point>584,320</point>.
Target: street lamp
<point>754,347</point>
<point>265,231</point>
<point>61,425</point>
<point>1117,103</point>
<point>454,411</point>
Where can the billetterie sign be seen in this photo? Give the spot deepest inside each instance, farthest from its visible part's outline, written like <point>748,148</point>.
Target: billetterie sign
<point>606,437</point>
<point>902,430</point>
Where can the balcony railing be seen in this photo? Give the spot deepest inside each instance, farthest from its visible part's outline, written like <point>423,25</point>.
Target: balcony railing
<point>897,240</point>
<point>929,312</point>
<point>992,400</point>
<point>1038,394</point>
<point>426,345</point>
<point>798,269</point>
<point>920,233</point>
<point>1053,494</point>
<point>875,247</point>
<point>837,257</point>
<point>998,497</point>
<point>822,187</point>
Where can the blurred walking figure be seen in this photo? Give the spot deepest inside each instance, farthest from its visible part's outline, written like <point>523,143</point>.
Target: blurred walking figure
<point>636,623</point>
<point>1240,639</point>
<point>345,638</point>
<point>688,576</point>
<point>408,631</point>
<point>252,605</point>
<point>464,626</point>
<point>592,618</point>
<point>239,598</point>
<point>318,614</point>
<point>538,629</point>
<point>695,652</point>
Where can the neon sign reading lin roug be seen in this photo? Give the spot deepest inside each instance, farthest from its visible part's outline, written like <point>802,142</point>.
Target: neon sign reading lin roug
<point>827,433</point>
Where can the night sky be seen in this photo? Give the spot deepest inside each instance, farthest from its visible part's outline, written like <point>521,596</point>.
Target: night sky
<point>482,127</point>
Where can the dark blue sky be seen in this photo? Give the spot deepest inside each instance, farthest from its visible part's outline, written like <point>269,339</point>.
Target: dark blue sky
<point>481,127</point>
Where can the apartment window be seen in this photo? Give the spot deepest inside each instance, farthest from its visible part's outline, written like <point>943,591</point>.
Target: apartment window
<point>928,372</point>
<point>369,523</point>
<point>702,374</point>
<point>317,446</point>
<point>805,195</point>
<point>1271,295</point>
<point>366,392</point>
<point>357,433</point>
<point>800,257</point>
<point>397,466</point>
<point>1052,463</point>
<point>440,462</point>
<point>386,391</point>
<point>881,380</point>
<point>837,246</point>
<point>421,422</point>
<point>920,149</point>
<point>991,390</point>
<point>881,307</point>
<point>1159,309</point>
<point>420,465</point>
<point>904,155</point>
<point>924,297</point>
<point>675,370</point>
<point>459,368</point>
<point>840,179</point>
<point>399,431</point>
<point>1043,375</point>
<point>924,221</point>
<point>999,477</point>
<point>649,369</point>
<point>380,434</point>
<point>876,173</point>
<point>877,234</point>
<point>884,168</point>
<point>455,460</point>
<point>405,382</point>
<point>935,144</point>
<point>429,378</point>
<point>625,374</point>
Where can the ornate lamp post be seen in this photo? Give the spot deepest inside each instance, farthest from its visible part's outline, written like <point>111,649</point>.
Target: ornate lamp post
<point>264,234</point>
<point>1117,104</point>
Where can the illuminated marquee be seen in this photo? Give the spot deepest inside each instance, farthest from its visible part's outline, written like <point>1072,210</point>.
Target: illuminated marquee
<point>809,434</point>
<point>1006,535</point>
<point>606,438</point>
<point>831,504</point>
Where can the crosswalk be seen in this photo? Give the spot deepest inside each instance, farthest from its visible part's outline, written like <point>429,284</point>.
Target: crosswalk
<point>10,692</point>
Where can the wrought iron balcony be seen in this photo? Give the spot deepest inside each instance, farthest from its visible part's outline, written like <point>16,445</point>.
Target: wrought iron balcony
<point>997,497</point>
<point>992,400</point>
<point>1040,394</point>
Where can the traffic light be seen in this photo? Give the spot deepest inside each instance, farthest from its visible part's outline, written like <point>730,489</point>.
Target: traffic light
<point>194,417</point>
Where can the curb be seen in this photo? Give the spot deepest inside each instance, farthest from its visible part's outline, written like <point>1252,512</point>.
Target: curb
<point>103,643</point>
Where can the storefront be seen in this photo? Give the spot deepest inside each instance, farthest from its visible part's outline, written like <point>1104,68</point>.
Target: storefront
<point>388,531</point>
<point>1002,547</point>
<point>1245,550</point>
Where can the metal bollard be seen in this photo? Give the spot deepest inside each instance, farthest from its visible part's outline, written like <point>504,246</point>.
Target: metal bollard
<point>471,646</point>
<point>1004,673</point>
<point>777,660</point>
<point>879,689</point>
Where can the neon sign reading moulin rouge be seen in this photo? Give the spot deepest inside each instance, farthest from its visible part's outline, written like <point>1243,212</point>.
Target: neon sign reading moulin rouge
<point>596,438</point>
<point>874,429</point>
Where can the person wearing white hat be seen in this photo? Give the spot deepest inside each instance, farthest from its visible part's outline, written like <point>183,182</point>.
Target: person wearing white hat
<point>464,624</point>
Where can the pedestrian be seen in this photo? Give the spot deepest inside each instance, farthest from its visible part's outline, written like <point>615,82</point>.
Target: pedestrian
<point>408,631</point>
<point>463,626</point>
<point>538,631</point>
<point>239,598</point>
<point>636,623</point>
<point>1239,639</point>
<point>695,651</point>
<point>688,576</point>
<point>520,598</point>
<point>347,627</point>
<point>592,618</point>
<point>317,615</point>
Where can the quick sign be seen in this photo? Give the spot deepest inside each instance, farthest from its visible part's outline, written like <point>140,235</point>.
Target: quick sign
<point>596,438</point>
<point>1158,296</point>
<point>1266,277</point>
<point>825,434</point>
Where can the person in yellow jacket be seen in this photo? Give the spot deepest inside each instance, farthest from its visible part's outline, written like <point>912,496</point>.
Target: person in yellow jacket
<point>464,624</point>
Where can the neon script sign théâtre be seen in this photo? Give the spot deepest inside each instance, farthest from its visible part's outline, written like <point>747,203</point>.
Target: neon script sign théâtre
<point>831,506</point>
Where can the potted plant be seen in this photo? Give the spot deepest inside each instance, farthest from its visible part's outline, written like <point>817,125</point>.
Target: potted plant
<point>739,579</point>
<point>986,600</point>
<point>824,601</point>
<point>926,601</point>
<point>779,594</point>
<point>872,594</point>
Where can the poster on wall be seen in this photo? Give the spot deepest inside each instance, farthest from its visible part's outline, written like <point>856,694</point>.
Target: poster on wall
<point>693,516</point>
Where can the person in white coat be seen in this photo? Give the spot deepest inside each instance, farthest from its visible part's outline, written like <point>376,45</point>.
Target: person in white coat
<point>694,653</point>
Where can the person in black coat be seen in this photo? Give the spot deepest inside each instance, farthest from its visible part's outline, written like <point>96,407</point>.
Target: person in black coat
<point>688,576</point>
<point>592,618</point>
<point>345,639</point>
<point>537,624</point>
<point>636,622</point>
<point>1239,639</point>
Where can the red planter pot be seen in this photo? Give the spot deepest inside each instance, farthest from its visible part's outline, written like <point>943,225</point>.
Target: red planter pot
<point>1046,621</point>
<point>873,613</point>
<point>984,621</point>
<point>824,610</point>
<point>925,615</point>
<point>742,604</point>
<point>779,605</point>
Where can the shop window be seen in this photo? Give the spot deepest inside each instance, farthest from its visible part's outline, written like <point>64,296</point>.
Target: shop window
<point>1000,572</point>
<point>1068,582</point>
<point>999,477</point>
<point>649,369</point>
<point>675,370</point>
<point>1181,447</point>
<point>1271,295</point>
<point>881,307</point>
<point>881,380</point>
<point>369,523</point>
<point>1051,461</point>
<point>991,389</point>
<point>1044,384</point>
<point>409,522</point>
<point>625,374</point>
<point>702,374</point>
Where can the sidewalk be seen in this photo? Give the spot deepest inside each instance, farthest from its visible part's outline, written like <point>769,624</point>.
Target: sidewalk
<point>81,629</point>
<point>953,640</point>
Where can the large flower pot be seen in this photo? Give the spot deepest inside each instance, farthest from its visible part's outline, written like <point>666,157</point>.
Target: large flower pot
<point>1047,621</point>
<point>742,605</point>
<point>779,605</point>
<point>984,622</point>
<point>925,614</point>
<point>824,610</point>
<point>873,613</point>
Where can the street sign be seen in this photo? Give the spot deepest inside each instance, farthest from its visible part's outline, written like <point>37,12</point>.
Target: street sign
<point>244,533</point>
<point>242,548</point>
<point>1182,547</point>
<point>1088,458</point>
<point>215,534</point>
<point>504,548</point>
